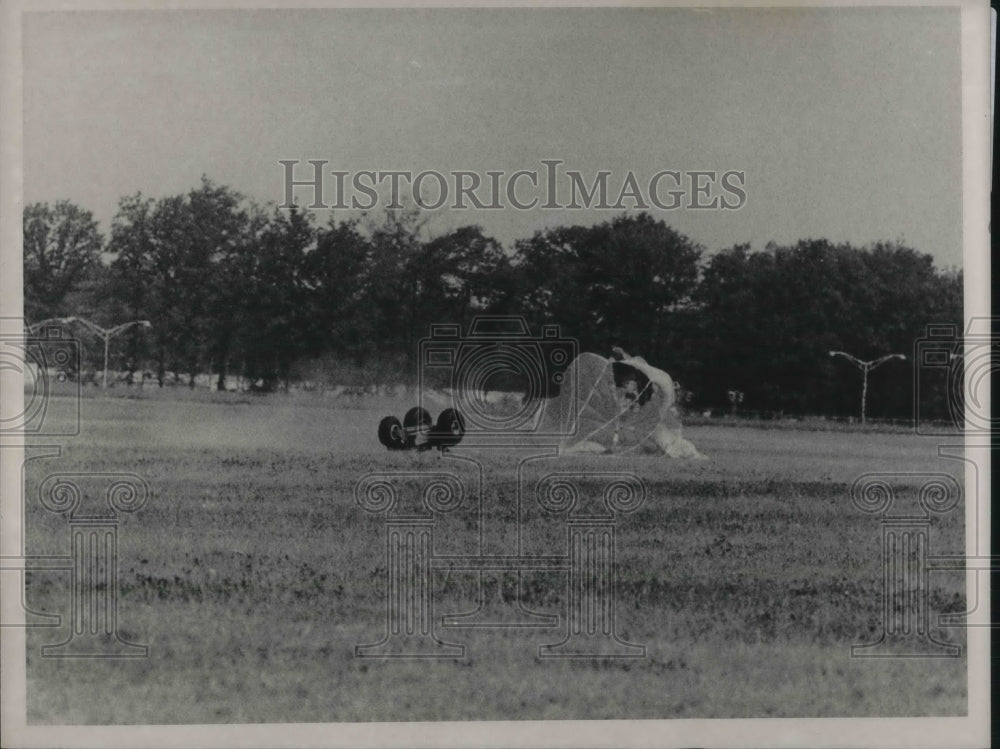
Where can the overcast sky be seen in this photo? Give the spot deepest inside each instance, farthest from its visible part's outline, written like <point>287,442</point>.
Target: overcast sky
<point>846,122</point>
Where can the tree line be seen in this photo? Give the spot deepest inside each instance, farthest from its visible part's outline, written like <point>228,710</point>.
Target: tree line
<point>233,288</point>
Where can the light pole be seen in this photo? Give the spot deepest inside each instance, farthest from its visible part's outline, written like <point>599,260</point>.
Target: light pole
<point>866,367</point>
<point>107,334</point>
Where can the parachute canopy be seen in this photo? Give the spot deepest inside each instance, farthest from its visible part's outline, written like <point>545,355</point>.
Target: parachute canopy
<point>618,407</point>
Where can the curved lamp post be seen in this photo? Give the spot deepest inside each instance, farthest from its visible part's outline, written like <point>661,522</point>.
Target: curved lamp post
<point>107,334</point>
<point>866,367</point>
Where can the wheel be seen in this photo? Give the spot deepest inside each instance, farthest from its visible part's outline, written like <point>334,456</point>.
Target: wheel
<point>390,433</point>
<point>417,422</point>
<point>450,428</point>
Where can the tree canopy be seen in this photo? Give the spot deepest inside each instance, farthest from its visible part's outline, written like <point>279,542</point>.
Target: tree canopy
<point>233,288</point>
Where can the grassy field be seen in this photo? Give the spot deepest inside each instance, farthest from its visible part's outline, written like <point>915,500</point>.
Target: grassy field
<point>252,574</point>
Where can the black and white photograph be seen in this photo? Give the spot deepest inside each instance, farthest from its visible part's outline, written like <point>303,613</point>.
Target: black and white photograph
<point>514,375</point>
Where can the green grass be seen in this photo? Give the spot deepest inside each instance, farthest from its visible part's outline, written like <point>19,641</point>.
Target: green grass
<point>252,574</point>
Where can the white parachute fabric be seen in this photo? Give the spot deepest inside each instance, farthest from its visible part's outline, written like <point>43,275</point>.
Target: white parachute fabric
<point>596,412</point>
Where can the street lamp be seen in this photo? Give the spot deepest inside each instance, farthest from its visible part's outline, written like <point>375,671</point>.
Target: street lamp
<point>107,334</point>
<point>866,367</point>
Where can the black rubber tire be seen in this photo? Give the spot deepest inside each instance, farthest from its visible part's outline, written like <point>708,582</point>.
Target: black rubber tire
<point>417,422</point>
<point>390,433</point>
<point>450,428</point>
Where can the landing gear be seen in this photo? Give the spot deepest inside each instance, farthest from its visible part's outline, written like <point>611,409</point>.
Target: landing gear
<point>418,431</point>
